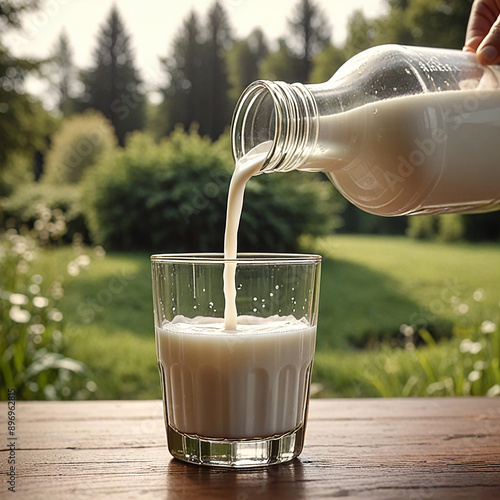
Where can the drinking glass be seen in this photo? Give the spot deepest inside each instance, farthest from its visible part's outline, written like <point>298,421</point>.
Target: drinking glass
<point>239,397</point>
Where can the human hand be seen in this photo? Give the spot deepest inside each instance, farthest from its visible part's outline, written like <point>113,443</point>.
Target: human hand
<point>483,31</point>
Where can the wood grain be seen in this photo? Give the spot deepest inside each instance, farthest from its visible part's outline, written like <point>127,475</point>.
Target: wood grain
<point>373,448</point>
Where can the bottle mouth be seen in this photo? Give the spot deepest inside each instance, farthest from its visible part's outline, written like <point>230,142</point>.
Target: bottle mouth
<point>284,115</point>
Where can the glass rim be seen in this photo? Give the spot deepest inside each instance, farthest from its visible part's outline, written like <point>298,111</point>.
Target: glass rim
<point>241,258</point>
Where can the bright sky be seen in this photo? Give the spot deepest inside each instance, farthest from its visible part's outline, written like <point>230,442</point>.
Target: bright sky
<point>152,24</point>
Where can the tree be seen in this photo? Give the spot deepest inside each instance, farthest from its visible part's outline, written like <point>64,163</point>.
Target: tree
<point>311,34</point>
<point>326,63</point>
<point>112,85</point>
<point>11,12</point>
<point>244,60</point>
<point>198,86</point>
<point>23,121</point>
<point>430,23</point>
<point>183,97</point>
<point>62,74</point>
<point>361,34</point>
<point>219,40</point>
<point>279,64</point>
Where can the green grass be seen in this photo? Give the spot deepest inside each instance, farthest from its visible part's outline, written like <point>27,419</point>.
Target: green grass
<point>444,369</point>
<point>370,287</point>
<point>109,321</point>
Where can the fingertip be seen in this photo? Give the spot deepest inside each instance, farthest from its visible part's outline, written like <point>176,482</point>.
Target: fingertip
<point>487,54</point>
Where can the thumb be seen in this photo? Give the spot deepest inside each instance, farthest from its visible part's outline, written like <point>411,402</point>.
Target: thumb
<point>488,51</point>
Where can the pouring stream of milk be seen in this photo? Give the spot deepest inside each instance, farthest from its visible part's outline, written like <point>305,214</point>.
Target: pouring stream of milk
<point>245,168</point>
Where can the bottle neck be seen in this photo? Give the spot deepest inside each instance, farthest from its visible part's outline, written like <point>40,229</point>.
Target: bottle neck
<point>285,115</point>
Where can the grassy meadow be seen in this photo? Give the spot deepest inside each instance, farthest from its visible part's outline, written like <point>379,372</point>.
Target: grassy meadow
<point>397,317</point>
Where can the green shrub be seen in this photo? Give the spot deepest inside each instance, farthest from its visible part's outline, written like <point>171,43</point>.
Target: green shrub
<point>18,171</point>
<point>455,227</point>
<point>81,142</point>
<point>451,227</point>
<point>52,211</point>
<point>172,197</point>
<point>423,227</point>
<point>445,227</point>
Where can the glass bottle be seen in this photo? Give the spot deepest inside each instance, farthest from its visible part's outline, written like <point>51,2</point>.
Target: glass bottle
<point>398,130</point>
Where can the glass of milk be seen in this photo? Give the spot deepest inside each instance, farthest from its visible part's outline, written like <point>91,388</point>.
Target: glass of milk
<point>235,397</point>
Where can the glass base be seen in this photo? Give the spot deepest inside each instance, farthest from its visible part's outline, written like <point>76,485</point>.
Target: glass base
<point>236,452</point>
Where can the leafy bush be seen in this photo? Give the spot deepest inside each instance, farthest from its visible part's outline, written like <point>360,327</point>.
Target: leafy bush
<point>422,227</point>
<point>33,358</point>
<point>81,142</point>
<point>17,171</point>
<point>451,227</point>
<point>446,227</point>
<point>53,211</point>
<point>455,227</point>
<point>172,197</point>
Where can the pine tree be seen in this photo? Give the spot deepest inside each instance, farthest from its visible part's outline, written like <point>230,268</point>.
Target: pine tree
<point>62,74</point>
<point>112,85</point>
<point>279,64</point>
<point>218,42</point>
<point>311,34</point>
<point>244,61</point>
<point>425,22</point>
<point>360,34</point>
<point>326,63</point>
<point>184,96</point>
<point>198,81</point>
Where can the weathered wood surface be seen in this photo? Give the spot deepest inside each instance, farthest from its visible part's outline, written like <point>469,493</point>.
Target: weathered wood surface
<point>369,449</point>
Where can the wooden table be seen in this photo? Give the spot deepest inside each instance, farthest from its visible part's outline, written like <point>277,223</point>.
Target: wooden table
<point>369,448</point>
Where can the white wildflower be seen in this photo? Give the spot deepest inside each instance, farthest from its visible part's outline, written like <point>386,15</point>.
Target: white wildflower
<point>18,299</point>
<point>493,391</point>
<point>40,302</point>
<point>82,260</point>
<point>19,315</point>
<point>55,315</point>
<point>488,326</point>
<point>467,345</point>
<point>37,329</point>
<point>22,267</point>
<point>407,330</point>
<point>480,366</point>
<point>73,268</point>
<point>91,386</point>
<point>475,348</point>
